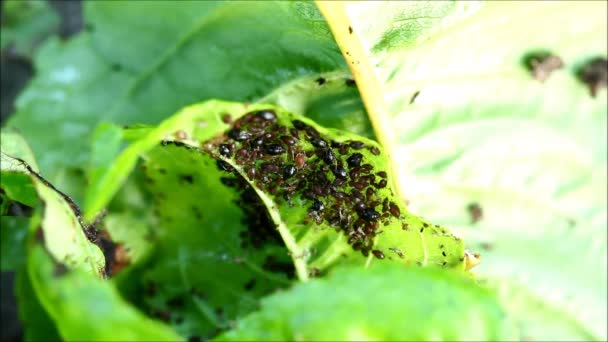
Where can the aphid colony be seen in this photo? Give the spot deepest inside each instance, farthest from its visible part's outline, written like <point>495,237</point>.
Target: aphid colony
<point>333,179</point>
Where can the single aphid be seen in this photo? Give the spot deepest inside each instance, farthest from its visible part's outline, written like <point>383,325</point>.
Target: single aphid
<point>542,64</point>
<point>595,74</point>
<point>354,160</point>
<point>378,254</point>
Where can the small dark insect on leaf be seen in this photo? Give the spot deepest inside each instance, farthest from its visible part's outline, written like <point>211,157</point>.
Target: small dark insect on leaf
<point>475,212</point>
<point>375,151</point>
<point>318,142</point>
<point>224,150</point>
<point>542,63</point>
<point>317,205</point>
<point>339,172</point>
<point>350,82</point>
<point>350,30</point>
<point>381,184</point>
<point>595,74</point>
<point>328,156</point>
<point>354,160</point>
<point>370,214</point>
<point>320,81</point>
<point>378,254</point>
<point>394,209</point>
<point>300,160</point>
<point>414,96</point>
<point>224,166</point>
<point>288,171</point>
<point>239,135</point>
<point>357,145</point>
<point>299,124</point>
<point>274,149</point>
<point>289,140</point>
<point>267,114</point>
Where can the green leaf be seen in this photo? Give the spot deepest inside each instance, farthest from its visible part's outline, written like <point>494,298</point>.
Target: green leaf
<point>384,303</point>
<point>238,247</point>
<point>513,159</point>
<point>60,219</point>
<point>536,318</point>
<point>12,240</point>
<point>177,56</point>
<point>88,309</point>
<point>36,322</point>
<point>25,24</point>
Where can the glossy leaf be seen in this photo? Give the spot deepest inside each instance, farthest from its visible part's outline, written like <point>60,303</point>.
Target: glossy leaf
<point>492,137</point>
<point>384,303</point>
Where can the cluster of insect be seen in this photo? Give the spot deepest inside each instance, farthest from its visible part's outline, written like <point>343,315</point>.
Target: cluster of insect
<point>293,160</point>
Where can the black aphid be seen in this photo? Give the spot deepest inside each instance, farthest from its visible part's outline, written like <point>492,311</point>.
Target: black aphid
<point>238,134</point>
<point>369,214</point>
<point>318,142</point>
<point>328,156</point>
<point>320,81</point>
<point>224,150</point>
<point>288,171</point>
<point>375,151</point>
<point>378,254</point>
<point>354,160</point>
<point>595,74</point>
<point>224,166</point>
<point>357,145</point>
<point>339,172</point>
<point>267,114</point>
<point>381,184</point>
<point>274,149</point>
<point>299,124</point>
<point>317,205</point>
